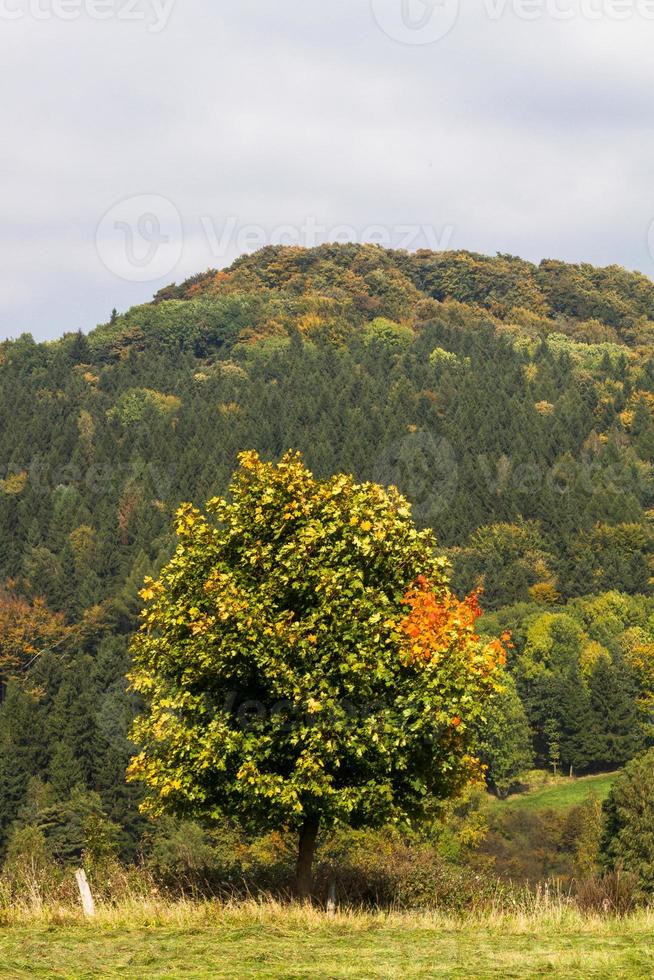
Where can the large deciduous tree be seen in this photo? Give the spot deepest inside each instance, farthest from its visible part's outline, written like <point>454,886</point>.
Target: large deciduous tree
<point>303,661</point>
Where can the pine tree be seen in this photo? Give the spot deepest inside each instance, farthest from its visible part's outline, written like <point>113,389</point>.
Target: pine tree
<point>615,722</point>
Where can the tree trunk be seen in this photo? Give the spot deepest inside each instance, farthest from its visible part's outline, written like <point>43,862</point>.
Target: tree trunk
<point>306,850</point>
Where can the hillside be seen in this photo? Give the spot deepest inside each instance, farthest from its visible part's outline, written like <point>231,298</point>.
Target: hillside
<point>561,794</point>
<point>512,403</point>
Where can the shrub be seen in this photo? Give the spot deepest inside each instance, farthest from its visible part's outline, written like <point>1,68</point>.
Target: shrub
<point>186,858</point>
<point>610,894</point>
<point>29,875</point>
<point>384,868</point>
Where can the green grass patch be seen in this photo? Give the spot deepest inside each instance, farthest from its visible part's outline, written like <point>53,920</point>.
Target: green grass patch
<point>561,793</point>
<point>289,946</point>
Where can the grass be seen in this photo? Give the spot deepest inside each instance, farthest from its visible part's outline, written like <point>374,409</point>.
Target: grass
<point>540,935</point>
<point>561,793</point>
<point>272,940</point>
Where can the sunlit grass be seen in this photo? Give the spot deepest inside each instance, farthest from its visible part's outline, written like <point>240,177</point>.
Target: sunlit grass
<point>561,793</point>
<point>156,938</point>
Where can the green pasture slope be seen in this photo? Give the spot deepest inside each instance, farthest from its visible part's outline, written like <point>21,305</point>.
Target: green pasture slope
<point>561,793</point>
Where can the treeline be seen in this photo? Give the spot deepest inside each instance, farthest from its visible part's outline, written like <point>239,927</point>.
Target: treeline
<point>583,674</point>
<point>513,404</point>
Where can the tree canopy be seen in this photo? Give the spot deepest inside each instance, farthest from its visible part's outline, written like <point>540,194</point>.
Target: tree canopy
<point>304,662</point>
<point>628,843</point>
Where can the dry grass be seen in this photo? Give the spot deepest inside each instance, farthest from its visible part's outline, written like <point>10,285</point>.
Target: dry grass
<point>266,939</point>
<point>152,936</point>
<point>545,910</point>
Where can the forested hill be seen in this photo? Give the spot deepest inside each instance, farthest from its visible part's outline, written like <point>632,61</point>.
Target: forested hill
<point>355,283</point>
<point>512,403</point>
<point>492,391</point>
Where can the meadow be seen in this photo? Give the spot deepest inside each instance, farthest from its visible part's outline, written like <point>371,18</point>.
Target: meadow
<point>559,793</point>
<point>517,932</point>
<point>272,940</point>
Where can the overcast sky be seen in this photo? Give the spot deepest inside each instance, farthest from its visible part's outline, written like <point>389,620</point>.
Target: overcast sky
<point>146,140</point>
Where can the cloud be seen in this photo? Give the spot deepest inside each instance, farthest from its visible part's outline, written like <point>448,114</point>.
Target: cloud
<point>530,137</point>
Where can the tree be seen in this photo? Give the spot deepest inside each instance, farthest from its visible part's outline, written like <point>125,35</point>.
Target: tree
<point>26,630</point>
<point>628,840</point>
<point>617,731</point>
<point>303,661</point>
<point>571,705</point>
<point>553,737</point>
<point>508,560</point>
<point>505,741</point>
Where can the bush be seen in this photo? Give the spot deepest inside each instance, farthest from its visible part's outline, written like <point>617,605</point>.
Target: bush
<point>383,868</point>
<point>369,867</point>
<point>186,858</point>
<point>610,894</point>
<point>529,846</point>
<point>30,878</point>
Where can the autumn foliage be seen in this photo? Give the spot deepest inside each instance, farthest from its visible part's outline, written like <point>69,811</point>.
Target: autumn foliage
<point>26,630</point>
<point>439,630</point>
<point>303,661</point>
<point>433,624</point>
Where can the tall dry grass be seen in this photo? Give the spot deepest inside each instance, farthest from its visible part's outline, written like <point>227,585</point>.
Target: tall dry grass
<point>131,901</point>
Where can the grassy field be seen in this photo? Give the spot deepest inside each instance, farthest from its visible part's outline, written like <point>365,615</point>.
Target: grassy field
<point>260,941</point>
<point>561,793</point>
<point>152,939</point>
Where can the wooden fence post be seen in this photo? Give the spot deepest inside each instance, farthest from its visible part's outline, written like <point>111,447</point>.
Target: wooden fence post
<point>331,897</point>
<point>85,893</point>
